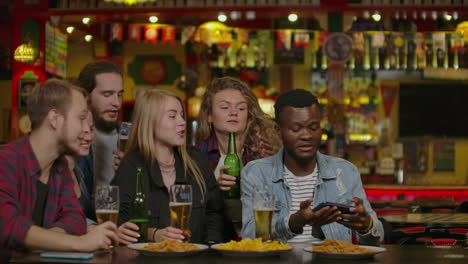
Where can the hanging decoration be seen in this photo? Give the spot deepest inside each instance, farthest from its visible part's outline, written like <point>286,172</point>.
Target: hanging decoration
<point>389,92</point>
<point>263,37</point>
<point>242,36</point>
<point>116,32</point>
<point>456,43</point>
<point>301,38</point>
<point>187,33</point>
<point>168,34</point>
<point>25,53</point>
<point>134,32</point>
<point>283,39</point>
<point>439,47</point>
<point>151,34</point>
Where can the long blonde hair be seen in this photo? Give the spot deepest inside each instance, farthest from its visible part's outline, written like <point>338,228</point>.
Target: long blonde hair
<point>148,110</point>
<point>257,121</point>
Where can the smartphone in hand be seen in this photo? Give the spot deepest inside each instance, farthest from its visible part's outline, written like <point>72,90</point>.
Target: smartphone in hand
<point>344,208</point>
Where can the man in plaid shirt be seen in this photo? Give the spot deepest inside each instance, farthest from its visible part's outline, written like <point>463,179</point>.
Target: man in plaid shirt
<point>39,209</point>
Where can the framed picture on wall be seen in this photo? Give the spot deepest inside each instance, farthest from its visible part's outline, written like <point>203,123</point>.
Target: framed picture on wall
<point>25,87</point>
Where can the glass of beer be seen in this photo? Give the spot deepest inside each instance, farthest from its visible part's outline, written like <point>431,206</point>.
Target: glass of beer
<point>263,204</point>
<point>107,203</point>
<point>124,132</point>
<point>180,203</point>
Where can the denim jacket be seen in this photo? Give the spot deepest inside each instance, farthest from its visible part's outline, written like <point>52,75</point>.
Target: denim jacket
<point>338,181</point>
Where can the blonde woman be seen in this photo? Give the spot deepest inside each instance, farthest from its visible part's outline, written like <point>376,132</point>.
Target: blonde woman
<point>230,106</point>
<point>157,145</point>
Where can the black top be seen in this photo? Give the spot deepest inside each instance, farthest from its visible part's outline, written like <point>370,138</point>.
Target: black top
<point>85,197</point>
<point>206,219</point>
<point>41,198</point>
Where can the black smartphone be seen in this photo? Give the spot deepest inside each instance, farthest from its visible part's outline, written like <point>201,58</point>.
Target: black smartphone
<point>344,208</point>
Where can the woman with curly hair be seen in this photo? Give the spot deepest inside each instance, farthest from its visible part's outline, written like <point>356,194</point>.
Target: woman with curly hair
<point>230,106</point>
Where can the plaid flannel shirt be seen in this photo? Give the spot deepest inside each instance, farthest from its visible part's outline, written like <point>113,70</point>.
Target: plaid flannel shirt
<point>210,147</point>
<point>19,173</point>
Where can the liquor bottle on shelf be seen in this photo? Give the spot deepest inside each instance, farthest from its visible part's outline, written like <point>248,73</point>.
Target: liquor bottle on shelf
<point>405,54</point>
<point>366,62</point>
<point>455,59</point>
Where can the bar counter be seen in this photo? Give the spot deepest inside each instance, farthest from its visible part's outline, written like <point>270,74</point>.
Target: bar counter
<point>395,254</point>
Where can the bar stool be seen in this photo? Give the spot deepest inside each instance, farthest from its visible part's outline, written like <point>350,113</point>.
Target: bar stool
<point>413,234</point>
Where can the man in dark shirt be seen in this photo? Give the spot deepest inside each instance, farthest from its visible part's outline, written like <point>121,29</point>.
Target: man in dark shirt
<point>39,209</point>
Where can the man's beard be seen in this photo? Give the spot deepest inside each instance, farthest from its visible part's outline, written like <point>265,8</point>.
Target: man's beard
<point>104,125</point>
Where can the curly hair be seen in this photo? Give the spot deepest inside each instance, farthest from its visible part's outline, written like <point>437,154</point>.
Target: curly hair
<point>257,121</point>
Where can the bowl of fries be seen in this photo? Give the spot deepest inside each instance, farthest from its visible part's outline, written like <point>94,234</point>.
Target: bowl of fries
<point>252,248</point>
<point>343,250</point>
<point>168,248</point>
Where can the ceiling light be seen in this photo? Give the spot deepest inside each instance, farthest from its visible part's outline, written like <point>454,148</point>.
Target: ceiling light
<point>423,15</point>
<point>292,17</point>
<point>376,16</point>
<point>366,14</point>
<point>250,15</point>
<point>397,15</point>
<point>153,19</point>
<point>455,15</point>
<point>86,20</point>
<point>88,38</point>
<point>70,29</point>
<point>222,17</point>
<point>434,15</point>
<point>447,16</point>
<point>235,15</point>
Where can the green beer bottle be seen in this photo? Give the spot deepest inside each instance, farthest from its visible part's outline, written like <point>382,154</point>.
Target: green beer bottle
<point>139,207</point>
<point>234,168</point>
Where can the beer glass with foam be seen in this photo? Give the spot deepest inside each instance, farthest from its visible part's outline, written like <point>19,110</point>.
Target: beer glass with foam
<point>263,204</point>
<point>180,203</point>
<point>107,202</point>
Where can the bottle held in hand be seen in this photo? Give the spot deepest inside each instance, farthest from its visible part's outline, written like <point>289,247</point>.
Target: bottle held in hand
<point>139,207</point>
<point>234,168</point>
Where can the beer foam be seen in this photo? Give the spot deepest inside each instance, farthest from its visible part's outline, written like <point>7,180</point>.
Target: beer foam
<point>263,209</point>
<point>107,211</point>
<point>179,204</point>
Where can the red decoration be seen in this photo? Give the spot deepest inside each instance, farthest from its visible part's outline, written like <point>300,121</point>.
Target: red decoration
<point>168,34</point>
<point>134,32</point>
<point>283,39</point>
<point>389,94</point>
<point>116,32</point>
<point>151,34</point>
<point>153,71</point>
<point>301,38</point>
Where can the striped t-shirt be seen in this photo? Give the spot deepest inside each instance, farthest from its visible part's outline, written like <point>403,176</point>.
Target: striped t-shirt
<point>302,188</point>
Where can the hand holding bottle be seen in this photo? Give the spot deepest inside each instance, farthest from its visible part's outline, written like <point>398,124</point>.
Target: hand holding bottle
<point>128,233</point>
<point>233,169</point>
<point>225,181</point>
<point>170,233</point>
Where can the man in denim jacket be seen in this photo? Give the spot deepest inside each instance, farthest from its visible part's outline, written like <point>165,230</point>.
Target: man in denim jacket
<point>292,170</point>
